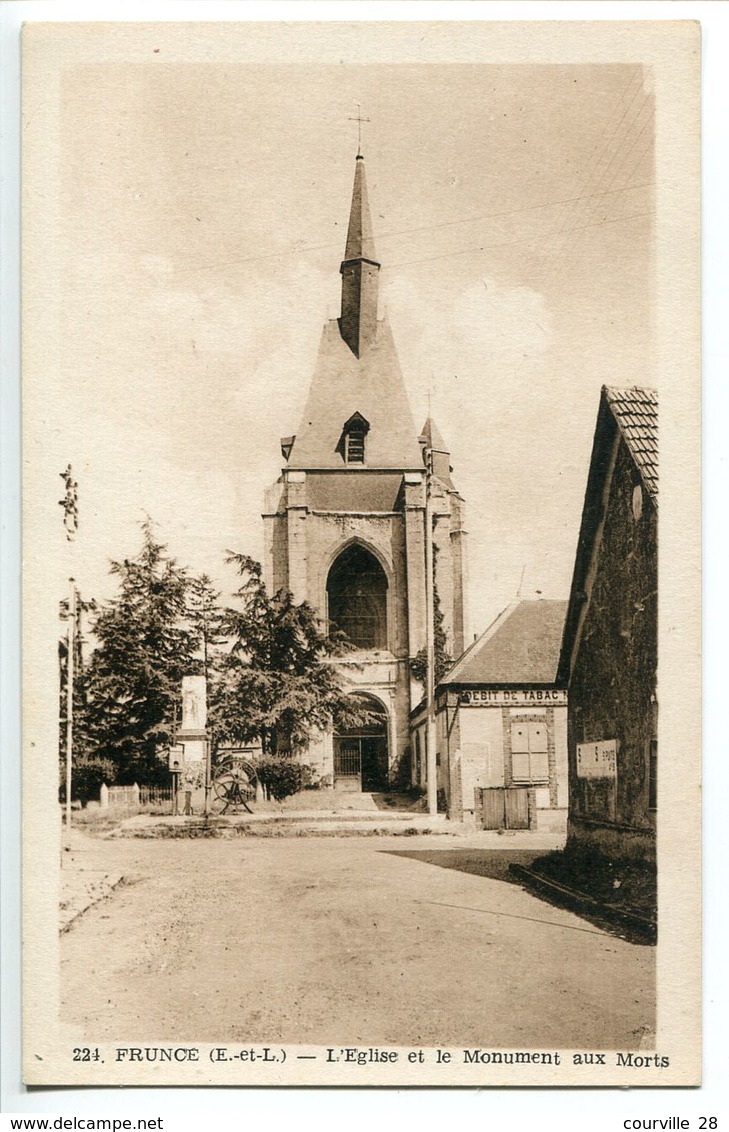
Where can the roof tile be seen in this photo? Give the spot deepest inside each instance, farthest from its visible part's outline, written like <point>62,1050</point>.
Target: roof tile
<point>636,413</point>
<point>520,647</point>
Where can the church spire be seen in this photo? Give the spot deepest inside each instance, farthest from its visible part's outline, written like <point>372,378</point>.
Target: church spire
<point>359,270</point>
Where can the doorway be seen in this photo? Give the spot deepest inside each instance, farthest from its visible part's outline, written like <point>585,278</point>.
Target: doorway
<point>361,759</point>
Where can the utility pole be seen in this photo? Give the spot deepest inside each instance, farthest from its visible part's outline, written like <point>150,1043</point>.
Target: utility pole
<point>70,665</point>
<point>208,770</point>
<point>430,737</point>
<point>69,503</point>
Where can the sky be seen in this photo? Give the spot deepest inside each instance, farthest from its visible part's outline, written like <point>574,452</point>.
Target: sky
<point>201,222</point>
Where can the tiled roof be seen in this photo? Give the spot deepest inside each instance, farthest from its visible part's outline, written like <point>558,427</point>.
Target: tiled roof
<point>636,411</point>
<point>520,647</point>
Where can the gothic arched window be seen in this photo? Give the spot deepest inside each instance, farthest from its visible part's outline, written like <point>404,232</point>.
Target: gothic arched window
<point>352,443</point>
<point>357,596</point>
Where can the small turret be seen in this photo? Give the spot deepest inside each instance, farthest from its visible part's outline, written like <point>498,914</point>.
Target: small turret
<point>434,444</point>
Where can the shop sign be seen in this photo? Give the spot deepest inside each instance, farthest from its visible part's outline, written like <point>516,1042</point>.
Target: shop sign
<point>508,697</point>
<point>597,760</point>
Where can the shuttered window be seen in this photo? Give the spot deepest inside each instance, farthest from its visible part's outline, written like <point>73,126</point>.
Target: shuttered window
<point>529,752</point>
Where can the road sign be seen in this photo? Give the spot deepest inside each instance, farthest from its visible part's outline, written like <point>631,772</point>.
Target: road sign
<point>597,760</point>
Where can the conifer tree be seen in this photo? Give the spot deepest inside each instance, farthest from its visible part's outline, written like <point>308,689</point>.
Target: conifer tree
<point>147,640</point>
<point>279,682</point>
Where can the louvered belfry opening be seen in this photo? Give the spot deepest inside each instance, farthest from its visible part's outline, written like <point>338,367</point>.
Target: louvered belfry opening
<point>353,439</point>
<point>357,597</point>
<point>355,446</point>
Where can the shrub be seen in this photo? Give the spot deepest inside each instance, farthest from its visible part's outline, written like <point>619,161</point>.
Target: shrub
<point>282,776</point>
<point>87,778</point>
<point>401,773</point>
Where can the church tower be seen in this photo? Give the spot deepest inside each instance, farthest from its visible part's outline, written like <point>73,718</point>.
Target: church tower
<point>345,521</point>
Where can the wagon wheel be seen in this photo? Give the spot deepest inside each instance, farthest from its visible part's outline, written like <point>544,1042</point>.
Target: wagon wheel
<point>235,785</point>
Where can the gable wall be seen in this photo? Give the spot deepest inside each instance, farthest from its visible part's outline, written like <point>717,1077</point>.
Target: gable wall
<point>612,689</point>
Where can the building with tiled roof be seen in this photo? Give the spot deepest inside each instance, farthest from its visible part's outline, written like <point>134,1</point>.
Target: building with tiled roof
<point>609,651</point>
<point>520,647</point>
<point>636,413</point>
<point>501,722</point>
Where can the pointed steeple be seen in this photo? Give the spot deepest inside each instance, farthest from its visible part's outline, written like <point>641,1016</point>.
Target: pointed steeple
<point>359,270</point>
<point>360,242</point>
<point>357,413</point>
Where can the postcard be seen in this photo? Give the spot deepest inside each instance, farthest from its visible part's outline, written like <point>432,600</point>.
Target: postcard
<point>361,463</point>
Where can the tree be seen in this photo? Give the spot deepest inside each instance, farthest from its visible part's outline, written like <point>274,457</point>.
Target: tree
<point>148,639</point>
<point>208,620</point>
<point>279,682</point>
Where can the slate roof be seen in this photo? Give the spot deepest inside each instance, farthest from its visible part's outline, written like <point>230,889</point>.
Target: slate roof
<point>636,411</point>
<point>360,241</point>
<point>520,647</point>
<point>346,383</point>
<point>434,437</point>
<point>372,386</point>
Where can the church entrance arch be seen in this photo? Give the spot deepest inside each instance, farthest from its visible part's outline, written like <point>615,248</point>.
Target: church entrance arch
<point>361,756</point>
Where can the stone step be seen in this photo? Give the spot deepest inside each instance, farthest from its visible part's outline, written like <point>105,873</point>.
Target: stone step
<point>317,821</point>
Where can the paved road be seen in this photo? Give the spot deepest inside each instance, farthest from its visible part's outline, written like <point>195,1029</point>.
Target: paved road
<point>344,941</point>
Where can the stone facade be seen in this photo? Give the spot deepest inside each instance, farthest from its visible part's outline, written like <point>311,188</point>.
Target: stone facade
<point>610,651</point>
<point>302,544</point>
<point>335,493</point>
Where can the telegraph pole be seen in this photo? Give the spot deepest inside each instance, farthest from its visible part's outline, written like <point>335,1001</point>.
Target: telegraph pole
<point>69,503</point>
<point>431,765</point>
<point>70,675</point>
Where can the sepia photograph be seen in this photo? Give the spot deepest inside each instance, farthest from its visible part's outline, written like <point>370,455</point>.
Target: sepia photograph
<point>361,414</point>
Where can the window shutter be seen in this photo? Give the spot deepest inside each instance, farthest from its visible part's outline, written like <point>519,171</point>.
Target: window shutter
<point>540,766</point>
<point>519,738</point>
<point>520,766</point>
<point>537,737</point>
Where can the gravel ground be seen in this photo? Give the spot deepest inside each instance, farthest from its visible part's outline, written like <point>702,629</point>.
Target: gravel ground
<point>356,940</point>
<point>80,888</point>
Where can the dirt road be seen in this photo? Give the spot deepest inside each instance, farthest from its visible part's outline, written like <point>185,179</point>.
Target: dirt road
<point>344,941</point>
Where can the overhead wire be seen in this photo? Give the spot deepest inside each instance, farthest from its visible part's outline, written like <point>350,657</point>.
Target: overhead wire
<point>507,243</point>
<point>598,152</point>
<point>564,251</point>
<point>401,232</point>
<point>622,155</point>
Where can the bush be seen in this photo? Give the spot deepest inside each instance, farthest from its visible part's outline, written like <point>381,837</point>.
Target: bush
<point>282,776</point>
<point>401,773</point>
<point>87,778</point>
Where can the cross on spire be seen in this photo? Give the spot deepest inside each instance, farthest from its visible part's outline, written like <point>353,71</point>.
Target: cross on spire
<point>359,120</point>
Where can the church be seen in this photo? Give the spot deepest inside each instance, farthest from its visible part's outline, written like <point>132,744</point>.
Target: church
<point>345,522</point>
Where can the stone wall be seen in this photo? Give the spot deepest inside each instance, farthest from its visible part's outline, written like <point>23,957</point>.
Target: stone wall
<point>311,517</point>
<point>612,689</point>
